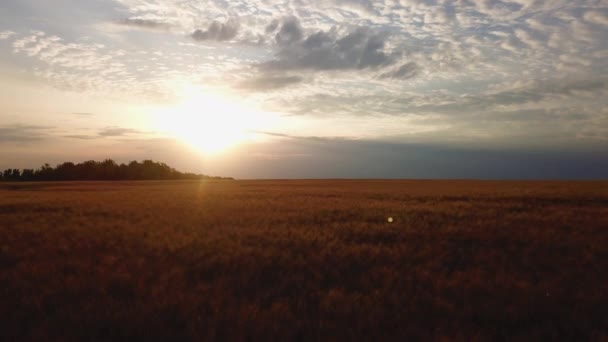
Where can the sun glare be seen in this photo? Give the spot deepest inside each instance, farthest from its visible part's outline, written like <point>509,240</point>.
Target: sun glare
<point>213,123</point>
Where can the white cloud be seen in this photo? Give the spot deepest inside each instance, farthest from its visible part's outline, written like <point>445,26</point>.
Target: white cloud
<point>6,34</point>
<point>597,17</point>
<point>527,39</point>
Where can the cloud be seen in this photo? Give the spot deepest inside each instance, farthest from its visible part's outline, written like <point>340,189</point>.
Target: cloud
<point>143,24</point>
<point>118,132</point>
<point>20,133</point>
<point>336,49</point>
<point>217,31</point>
<point>359,48</point>
<point>81,137</point>
<point>313,138</point>
<point>597,17</point>
<point>108,132</point>
<point>274,134</point>
<point>571,87</point>
<point>322,157</point>
<point>529,112</point>
<point>529,93</point>
<point>513,44</point>
<point>406,71</point>
<point>53,50</point>
<point>527,38</point>
<point>290,31</point>
<point>83,114</point>
<point>6,34</point>
<point>23,43</point>
<point>465,68</point>
<point>365,5</point>
<point>266,82</point>
<point>84,65</point>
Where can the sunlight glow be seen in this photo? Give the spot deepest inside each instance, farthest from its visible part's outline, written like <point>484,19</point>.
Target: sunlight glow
<point>214,123</point>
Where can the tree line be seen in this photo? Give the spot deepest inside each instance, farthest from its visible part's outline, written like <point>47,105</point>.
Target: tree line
<point>104,170</point>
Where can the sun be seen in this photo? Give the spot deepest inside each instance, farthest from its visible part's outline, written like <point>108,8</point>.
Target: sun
<point>212,123</point>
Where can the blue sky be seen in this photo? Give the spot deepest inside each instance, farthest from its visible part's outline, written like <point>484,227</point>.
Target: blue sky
<point>309,89</point>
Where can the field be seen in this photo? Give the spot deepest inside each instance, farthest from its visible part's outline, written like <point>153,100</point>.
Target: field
<point>304,260</point>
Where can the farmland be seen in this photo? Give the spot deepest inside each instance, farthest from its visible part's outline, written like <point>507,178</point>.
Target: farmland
<point>304,260</point>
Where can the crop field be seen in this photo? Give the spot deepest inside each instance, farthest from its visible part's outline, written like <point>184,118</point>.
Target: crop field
<point>304,260</point>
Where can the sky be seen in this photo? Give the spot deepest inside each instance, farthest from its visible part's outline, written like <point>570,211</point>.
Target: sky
<point>487,89</point>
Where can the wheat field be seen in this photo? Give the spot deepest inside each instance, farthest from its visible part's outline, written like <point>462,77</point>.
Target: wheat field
<point>304,260</point>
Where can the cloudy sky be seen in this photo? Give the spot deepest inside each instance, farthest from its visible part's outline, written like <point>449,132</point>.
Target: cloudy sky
<point>308,89</point>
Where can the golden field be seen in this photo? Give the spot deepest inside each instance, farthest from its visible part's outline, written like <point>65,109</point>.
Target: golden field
<point>304,260</point>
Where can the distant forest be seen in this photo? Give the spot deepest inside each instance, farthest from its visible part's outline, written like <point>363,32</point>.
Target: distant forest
<point>105,170</point>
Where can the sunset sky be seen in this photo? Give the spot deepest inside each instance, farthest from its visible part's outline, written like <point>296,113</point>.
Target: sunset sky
<point>309,89</point>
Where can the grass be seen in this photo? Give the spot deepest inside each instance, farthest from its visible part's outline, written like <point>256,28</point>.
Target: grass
<point>304,260</point>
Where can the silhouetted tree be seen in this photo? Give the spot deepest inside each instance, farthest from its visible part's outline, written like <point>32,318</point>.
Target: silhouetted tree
<point>27,175</point>
<point>105,170</point>
<point>45,172</point>
<point>66,171</point>
<point>15,174</point>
